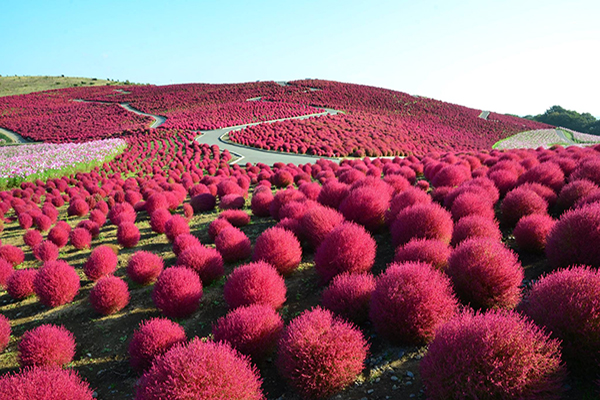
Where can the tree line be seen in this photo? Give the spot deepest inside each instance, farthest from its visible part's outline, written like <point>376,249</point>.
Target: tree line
<point>558,116</point>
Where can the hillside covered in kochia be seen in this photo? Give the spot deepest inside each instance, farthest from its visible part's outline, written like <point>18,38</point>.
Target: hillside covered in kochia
<point>373,121</point>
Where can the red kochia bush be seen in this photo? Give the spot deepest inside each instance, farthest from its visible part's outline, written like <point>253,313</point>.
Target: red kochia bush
<point>320,354</point>
<point>567,304</point>
<point>574,238</point>
<point>216,226</point>
<point>349,295</point>
<point>144,267</point>
<point>422,221</point>
<point>128,235</point>
<point>252,330</point>
<point>78,207</point>
<point>574,191</point>
<point>366,206</point>
<point>12,254</point>
<point>410,301</point>
<point>233,244</point>
<point>206,261</point>
<point>56,283</point>
<point>200,370</point>
<point>496,355</point>
<point>404,199</point>
<point>531,232</point>
<point>175,226</point>
<point>6,270</point>
<point>103,261</point>
<point>25,220</point>
<point>236,217</point>
<point>348,248</point>
<point>255,283</point>
<point>471,203</point>
<point>280,248</point>
<point>485,274</point>
<point>333,193</point>
<point>282,197</point>
<point>520,202</point>
<point>4,333</point>
<point>32,238</point>
<point>109,295</point>
<point>177,292</point>
<point>20,283</point>
<point>45,251</point>
<point>318,222</point>
<point>158,220</point>
<point>184,242</point>
<point>546,173</point>
<point>46,345</point>
<point>475,226</point>
<point>48,383</point>
<point>232,202</point>
<point>42,222</point>
<point>261,203</point>
<point>153,338</point>
<point>58,236</point>
<point>81,238</point>
<point>430,251</point>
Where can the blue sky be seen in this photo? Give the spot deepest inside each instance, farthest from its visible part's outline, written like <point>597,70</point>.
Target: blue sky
<point>507,56</point>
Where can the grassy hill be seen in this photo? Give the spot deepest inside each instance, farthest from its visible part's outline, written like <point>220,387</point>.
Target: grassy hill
<point>12,85</point>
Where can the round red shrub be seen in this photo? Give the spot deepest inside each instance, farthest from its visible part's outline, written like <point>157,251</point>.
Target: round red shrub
<point>122,212</point>
<point>451,175</point>
<point>320,354</point>
<point>206,261</point>
<point>282,197</point>
<point>177,292</point>
<point>348,248</point>
<point>20,283</point>
<point>485,274</point>
<point>410,301</point>
<point>543,191</point>
<point>531,232</point>
<point>402,200</point>
<point>200,370</point>
<point>81,238</point>
<point>158,220</point>
<point>144,267</point>
<point>255,283</point>
<point>42,222</point>
<point>48,383</point>
<point>252,330</point>
<point>279,248</point>
<point>295,209</point>
<point>236,217</point>
<point>311,190</point>
<point>232,202</point>
<point>333,193</point>
<point>422,221</point>
<point>109,295</point>
<point>475,226</point>
<point>520,202</point>
<point>348,295</point>
<point>78,207</point>
<point>203,202</point>
<point>90,226</point>
<point>102,262</point>
<point>504,180</point>
<point>45,251</point>
<point>46,345</point>
<point>25,220</point>
<point>573,239</point>
<point>56,283</point>
<point>12,254</point>
<point>470,203</point>
<point>430,251</point>
<point>152,339</point>
<point>32,238</point>
<point>546,173</point>
<point>318,222</point>
<point>366,206</point>
<point>567,304</point>
<point>58,236</point>
<point>574,191</point>
<point>216,226</point>
<point>261,203</point>
<point>176,226</point>
<point>5,332</point>
<point>156,201</point>
<point>6,270</point>
<point>496,355</point>
<point>128,235</point>
<point>183,242</point>
<point>233,244</point>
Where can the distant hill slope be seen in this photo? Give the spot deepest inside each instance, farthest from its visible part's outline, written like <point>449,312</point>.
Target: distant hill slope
<point>13,85</point>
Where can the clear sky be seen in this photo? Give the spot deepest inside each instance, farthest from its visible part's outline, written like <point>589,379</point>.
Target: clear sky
<point>507,56</point>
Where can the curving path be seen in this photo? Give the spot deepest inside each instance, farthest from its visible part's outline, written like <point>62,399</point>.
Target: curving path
<point>484,115</point>
<point>158,119</point>
<point>16,138</point>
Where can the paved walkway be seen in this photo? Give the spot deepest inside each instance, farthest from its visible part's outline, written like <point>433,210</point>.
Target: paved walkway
<point>484,115</point>
<point>16,138</point>
<point>563,137</point>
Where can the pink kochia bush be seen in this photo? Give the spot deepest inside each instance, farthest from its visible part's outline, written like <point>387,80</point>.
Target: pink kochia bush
<point>496,355</point>
<point>255,283</point>
<point>318,222</point>
<point>153,338</point>
<point>109,295</point>
<point>4,332</point>
<point>144,267</point>
<point>184,242</point>
<point>252,330</point>
<point>320,354</point>
<point>485,274</point>
<point>176,226</point>
<point>128,235</point>
<point>411,300</point>
<point>520,202</point>
<point>475,226</point>
<point>348,248</point>
<point>103,261</point>
<point>422,221</point>
<point>158,220</point>
<point>567,304</point>
<point>12,254</point>
<point>47,383</point>
<point>431,251</point>
<point>81,238</point>
<point>20,283</point>
<point>279,248</point>
<point>6,270</point>
<point>206,261</point>
<point>46,345</point>
<point>233,244</point>
<point>56,283</point>
<point>200,370</point>
<point>177,292</point>
<point>531,232</point>
<point>45,251</point>
<point>32,238</point>
<point>574,238</point>
<point>366,206</point>
<point>348,295</point>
